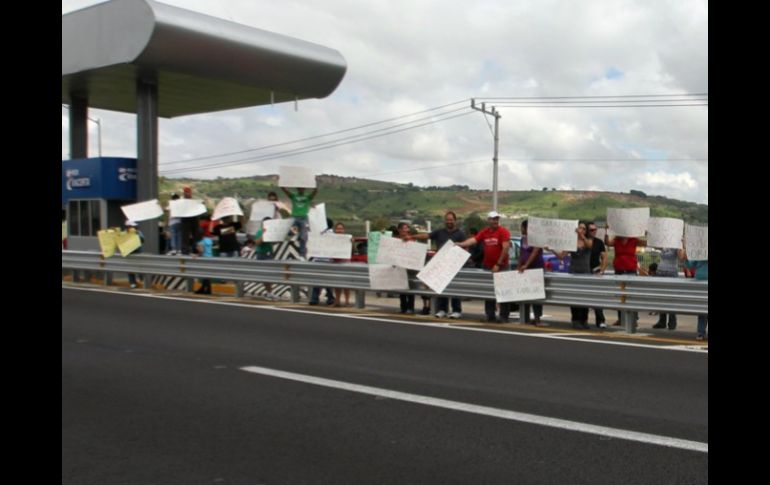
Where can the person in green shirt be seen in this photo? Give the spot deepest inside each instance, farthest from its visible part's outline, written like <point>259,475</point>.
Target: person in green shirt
<point>300,207</point>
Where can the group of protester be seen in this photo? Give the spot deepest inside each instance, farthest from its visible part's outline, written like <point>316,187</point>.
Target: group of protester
<point>489,249</point>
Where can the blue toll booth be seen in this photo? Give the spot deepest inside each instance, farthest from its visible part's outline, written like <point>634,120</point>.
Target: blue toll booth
<point>92,191</point>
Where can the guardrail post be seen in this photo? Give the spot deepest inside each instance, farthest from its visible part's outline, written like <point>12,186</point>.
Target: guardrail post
<point>239,289</point>
<point>628,320</point>
<point>107,281</point>
<point>294,294</point>
<point>76,276</point>
<point>190,283</point>
<point>360,299</point>
<point>146,281</point>
<point>523,312</point>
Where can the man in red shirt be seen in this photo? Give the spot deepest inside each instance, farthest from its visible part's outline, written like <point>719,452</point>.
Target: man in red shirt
<point>496,241</point>
<point>625,261</point>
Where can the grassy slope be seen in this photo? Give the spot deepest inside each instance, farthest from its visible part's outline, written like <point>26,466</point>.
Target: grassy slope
<point>351,199</point>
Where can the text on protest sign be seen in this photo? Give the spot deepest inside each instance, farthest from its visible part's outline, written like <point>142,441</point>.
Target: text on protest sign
<point>142,211</point>
<point>261,209</point>
<point>515,286</point>
<point>296,177</point>
<point>228,206</point>
<point>556,234</point>
<point>410,255</point>
<point>276,230</point>
<point>696,242</point>
<point>317,219</point>
<point>387,277</point>
<point>107,242</point>
<point>186,208</point>
<point>665,232</point>
<point>372,246</point>
<point>128,242</point>
<point>339,246</point>
<point>628,222</point>
<point>443,267</point>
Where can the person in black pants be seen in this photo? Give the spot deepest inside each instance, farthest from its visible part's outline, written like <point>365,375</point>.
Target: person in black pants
<point>598,264</point>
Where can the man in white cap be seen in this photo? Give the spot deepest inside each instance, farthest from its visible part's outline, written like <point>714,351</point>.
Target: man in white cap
<point>496,241</point>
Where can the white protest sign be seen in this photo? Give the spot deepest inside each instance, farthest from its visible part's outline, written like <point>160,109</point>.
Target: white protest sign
<point>387,277</point>
<point>443,266</point>
<point>252,227</point>
<point>186,208</point>
<point>515,286</point>
<point>628,222</point>
<point>317,219</point>
<point>665,232</point>
<point>339,246</point>
<point>261,209</point>
<point>296,177</point>
<point>410,255</point>
<point>372,246</point>
<point>142,211</point>
<point>696,242</point>
<point>276,230</point>
<point>228,206</point>
<point>556,234</point>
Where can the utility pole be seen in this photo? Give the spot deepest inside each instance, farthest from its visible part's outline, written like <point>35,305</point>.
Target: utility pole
<point>496,135</point>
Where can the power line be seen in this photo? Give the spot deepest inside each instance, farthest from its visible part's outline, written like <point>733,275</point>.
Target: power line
<point>429,168</point>
<point>317,136</point>
<point>595,97</point>
<point>511,105</point>
<point>313,148</point>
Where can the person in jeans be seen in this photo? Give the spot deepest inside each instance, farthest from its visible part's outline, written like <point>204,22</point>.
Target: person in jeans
<point>530,257</point>
<point>625,261</point>
<point>450,231</point>
<point>701,268</point>
<point>496,241</point>
<point>669,268</point>
<point>175,231</point>
<point>300,207</point>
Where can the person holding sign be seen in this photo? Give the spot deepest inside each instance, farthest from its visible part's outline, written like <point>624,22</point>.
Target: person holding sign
<point>598,262</point>
<point>701,268</point>
<point>496,241</point>
<point>300,207</point>
<point>227,235</point>
<point>668,267</point>
<point>450,232</point>
<point>530,257</point>
<point>625,261</point>
<point>580,264</point>
<point>406,300</point>
<point>339,228</point>
<point>131,227</point>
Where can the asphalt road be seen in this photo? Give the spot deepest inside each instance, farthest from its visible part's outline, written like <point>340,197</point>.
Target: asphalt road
<point>154,391</point>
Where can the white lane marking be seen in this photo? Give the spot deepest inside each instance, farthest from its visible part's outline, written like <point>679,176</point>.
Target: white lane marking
<point>469,328</point>
<point>487,411</point>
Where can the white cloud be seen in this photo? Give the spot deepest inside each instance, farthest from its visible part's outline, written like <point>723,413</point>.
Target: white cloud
<point>405,56</point>
<point>663,179</point>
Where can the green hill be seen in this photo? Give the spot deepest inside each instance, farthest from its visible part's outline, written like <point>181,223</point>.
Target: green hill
<point>354,200</point>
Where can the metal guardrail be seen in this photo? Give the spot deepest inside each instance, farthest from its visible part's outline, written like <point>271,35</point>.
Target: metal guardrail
<point>625,293</point>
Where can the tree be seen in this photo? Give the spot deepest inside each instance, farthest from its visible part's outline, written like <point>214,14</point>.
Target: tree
<point>473,221</point>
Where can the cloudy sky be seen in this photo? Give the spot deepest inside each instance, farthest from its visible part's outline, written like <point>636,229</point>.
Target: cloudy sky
<point>408,56</point>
